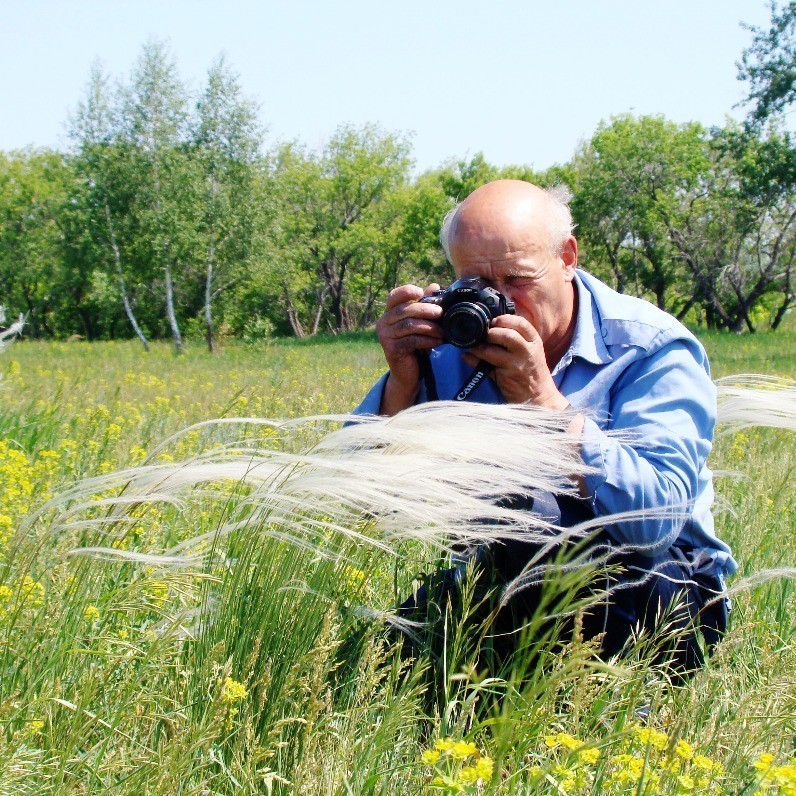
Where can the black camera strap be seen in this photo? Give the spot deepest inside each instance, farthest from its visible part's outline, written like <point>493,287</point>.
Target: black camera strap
<point>427,374</point>
<point>481,371</point>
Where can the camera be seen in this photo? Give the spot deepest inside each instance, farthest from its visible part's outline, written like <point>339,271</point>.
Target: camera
<point>469,305</point>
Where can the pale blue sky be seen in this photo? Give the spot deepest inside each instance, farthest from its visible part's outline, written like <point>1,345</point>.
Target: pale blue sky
<point>521,80</point>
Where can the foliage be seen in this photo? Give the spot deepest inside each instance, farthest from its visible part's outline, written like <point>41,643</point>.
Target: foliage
<point>768,65</point>
<point>169,217</point>
<point>347,228</point>
<point>700,222</point>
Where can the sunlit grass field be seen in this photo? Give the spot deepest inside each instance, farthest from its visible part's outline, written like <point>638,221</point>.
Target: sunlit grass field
<point>121,676</point>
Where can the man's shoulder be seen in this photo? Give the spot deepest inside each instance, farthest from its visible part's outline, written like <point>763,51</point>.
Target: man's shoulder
<point>631,321</point>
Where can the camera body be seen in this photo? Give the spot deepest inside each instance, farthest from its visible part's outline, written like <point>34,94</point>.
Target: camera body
<point>469,305</point>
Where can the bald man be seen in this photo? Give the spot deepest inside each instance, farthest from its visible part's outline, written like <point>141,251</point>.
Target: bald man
<point>625,364</point>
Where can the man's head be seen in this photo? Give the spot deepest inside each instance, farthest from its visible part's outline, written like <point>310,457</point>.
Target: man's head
<point>519,238</point>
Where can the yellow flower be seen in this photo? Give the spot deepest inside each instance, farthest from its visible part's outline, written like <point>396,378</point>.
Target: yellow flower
<point>684,750</point>
<point>91,612</point>
<point>685,782</point>
<point>702,763</point>
<point>650,737</point>
<point>485,767</point>
<point>589,755</point>
<point>232,691</point>
<point>430,756</point>
<point>562,739</point>
<point>462,749</point>
<point>468,776</point>
<point>763,763</point>
<point>443,745</point>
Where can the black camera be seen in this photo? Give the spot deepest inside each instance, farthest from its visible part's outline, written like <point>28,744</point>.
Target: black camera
<point>469,305</point>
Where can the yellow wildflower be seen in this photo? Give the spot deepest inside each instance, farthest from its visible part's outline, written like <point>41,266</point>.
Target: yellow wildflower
<point>685,782</point>
<point>650,737</point>
<point>468,776</point>
<point>589,755</point>
<point>232,691</point>
<point>485,767</point>
<point>684,749</point>
<point>703,763</point>
<point>763,763</point>
<point>91,612</point>
<point>463,749</point>
<point>562,739</point>
<point>430,756</point>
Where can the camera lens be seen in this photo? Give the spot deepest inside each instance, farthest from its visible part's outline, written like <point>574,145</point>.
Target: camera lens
<point>465,324</point>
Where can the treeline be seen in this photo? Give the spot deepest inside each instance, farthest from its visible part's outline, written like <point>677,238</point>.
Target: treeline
<point>169,217</point>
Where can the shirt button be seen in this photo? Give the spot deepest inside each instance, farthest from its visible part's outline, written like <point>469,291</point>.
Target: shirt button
<point>605,332</point>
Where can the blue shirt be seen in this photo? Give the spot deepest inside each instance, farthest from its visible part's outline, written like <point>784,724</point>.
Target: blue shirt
<point>633,369</point>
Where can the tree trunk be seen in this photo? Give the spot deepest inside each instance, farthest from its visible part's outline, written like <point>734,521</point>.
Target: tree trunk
<point>319,311</point>
<point>209,294</point>
<point>128,309</point>
<point>781,310</point>
<point>175,329</point>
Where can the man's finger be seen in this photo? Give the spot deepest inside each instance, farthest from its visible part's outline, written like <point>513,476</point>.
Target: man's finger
<point>519,324</point>
<point>413,326</point>
<point>403,295</point>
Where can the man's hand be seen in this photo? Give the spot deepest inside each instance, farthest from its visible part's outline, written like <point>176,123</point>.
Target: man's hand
<point>515,350</point>
<point>406,327</point>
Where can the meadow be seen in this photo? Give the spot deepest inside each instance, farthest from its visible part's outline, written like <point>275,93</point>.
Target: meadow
<point>230,673</point>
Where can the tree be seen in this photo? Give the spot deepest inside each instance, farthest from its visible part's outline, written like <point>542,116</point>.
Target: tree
<point>153,134</point>
<point>34,186</point>
<point>226,149</point>
<point>768,65</point>
<point>737,235</point>
<point>701,220</point>
<point>103,193</point>
<point>626,181</point>
<point>327,243</point>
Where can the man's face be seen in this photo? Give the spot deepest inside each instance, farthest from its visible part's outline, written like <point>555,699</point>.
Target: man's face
<point>520,264</point>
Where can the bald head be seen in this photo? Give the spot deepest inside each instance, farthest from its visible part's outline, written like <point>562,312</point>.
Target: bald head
<point>510,210</point>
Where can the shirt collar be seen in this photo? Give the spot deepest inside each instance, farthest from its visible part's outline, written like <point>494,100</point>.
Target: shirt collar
<point>587,342</point>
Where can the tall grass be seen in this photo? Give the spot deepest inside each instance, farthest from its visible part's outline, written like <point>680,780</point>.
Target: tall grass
<point>226,672</point>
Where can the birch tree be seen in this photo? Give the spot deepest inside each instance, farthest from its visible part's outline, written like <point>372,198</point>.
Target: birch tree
<point>105,181</point>
<point>227,142</point>
<point>154,133</point>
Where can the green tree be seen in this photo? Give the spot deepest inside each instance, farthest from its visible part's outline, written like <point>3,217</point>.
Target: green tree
<point>328,242</point>
<point>153,134</point>
<point>104,193</point>
<point>626,179</point>
<point>34,186</point>
<point>737,233</point>
<point>768,65</point>
<point>226,149</point>
<point>700,221</point>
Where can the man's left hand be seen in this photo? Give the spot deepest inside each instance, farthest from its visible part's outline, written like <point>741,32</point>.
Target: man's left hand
<point>515,349</point>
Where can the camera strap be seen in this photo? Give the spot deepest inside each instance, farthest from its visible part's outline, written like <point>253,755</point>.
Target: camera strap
<point>481,371</point>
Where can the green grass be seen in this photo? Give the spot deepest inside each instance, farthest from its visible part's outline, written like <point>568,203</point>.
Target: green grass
<point>110,682</point>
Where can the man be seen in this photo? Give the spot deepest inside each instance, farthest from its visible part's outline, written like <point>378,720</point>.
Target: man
<point>626,365</point>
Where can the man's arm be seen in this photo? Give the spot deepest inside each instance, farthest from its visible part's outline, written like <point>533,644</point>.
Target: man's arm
<point>664,409</point>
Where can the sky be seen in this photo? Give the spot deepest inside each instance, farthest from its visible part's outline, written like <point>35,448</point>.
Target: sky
<point>519,80</point>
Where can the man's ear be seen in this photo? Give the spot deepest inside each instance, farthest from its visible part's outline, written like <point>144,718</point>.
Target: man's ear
<point>569,257</point>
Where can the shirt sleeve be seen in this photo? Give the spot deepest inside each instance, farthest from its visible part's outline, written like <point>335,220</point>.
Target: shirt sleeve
<point>660,431</point>
<point>372,401</point>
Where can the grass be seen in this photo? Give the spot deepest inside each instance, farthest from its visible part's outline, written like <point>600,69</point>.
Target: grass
<point>122,677</point>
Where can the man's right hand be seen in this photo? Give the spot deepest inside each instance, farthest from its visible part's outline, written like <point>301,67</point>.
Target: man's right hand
<point>406,327</point>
